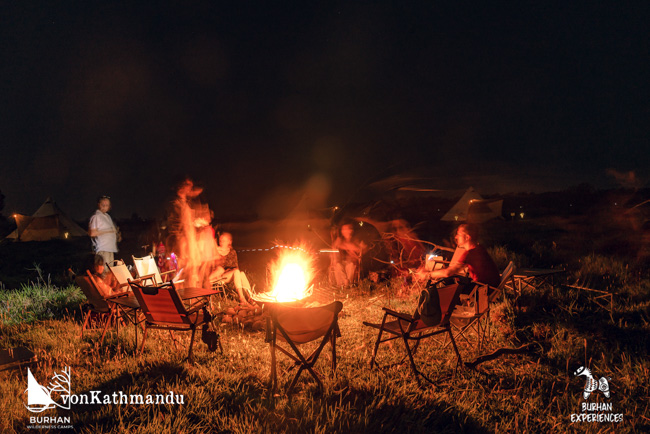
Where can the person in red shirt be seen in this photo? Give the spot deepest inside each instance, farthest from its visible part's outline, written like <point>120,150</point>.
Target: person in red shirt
<point>475,259</point>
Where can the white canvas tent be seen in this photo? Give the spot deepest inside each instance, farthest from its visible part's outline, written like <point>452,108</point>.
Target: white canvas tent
<point>472,208</point>
<point>47,223</point>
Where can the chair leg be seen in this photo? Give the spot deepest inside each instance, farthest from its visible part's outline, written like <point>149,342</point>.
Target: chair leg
<point>171,333</point>
<point>410,355</point>
<point>144,338</point>
<point>108,321</point>
<point>273,380</point>
<point>333,344</point>
<point>373,360</point>
<point>295,380</point>
<point>453,342</point>
<point>83,326</point>
<point>190,356</point>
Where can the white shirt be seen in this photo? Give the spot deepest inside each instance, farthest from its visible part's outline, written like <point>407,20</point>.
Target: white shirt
<point>105,242</point>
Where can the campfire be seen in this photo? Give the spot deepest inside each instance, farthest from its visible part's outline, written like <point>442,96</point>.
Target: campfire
<point>291,276</point>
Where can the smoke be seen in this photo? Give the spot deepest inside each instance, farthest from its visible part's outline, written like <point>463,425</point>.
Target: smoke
<point>626,179</point>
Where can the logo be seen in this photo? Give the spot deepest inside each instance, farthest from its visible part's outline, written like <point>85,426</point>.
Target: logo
<point>595,411</point>
<point>39,398</point>
<point>592,384</point>
<point>59,394</point>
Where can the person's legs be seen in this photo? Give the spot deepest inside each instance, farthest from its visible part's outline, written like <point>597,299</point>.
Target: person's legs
<point>228,276</point>
<point>340,275</point>
<point>108,257</point>
<point>351,272</point>
<point>241,284</point>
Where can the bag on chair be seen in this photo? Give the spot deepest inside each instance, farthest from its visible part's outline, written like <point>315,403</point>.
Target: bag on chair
<point>428,309</point>
<point>208,335</point>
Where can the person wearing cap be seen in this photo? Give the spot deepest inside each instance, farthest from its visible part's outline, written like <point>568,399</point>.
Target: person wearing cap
<point>103,232</point>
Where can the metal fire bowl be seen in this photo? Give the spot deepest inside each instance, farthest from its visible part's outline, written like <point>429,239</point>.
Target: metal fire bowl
<point>263,299</point>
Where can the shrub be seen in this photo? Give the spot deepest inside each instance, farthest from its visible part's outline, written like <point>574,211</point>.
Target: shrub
<point>37,301</point>
<point>604,272</point>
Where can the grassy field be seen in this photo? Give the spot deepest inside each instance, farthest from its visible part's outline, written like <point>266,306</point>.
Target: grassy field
<point>535,391</point>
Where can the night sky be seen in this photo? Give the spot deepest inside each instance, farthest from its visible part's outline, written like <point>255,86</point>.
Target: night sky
<point>261,102</point>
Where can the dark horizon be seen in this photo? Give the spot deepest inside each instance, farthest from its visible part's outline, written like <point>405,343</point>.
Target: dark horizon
<point>267,105</point>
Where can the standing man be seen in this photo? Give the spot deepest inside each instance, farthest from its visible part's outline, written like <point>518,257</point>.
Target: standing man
<point>103,232</point>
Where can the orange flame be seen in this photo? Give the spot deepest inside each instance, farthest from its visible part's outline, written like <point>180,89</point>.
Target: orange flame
<point>292,274</point>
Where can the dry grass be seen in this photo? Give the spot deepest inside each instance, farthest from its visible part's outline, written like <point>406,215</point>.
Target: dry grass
<point>532,392</point>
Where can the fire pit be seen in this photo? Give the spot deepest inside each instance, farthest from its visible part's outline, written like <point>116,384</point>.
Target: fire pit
<point>294,318</point>
<point>291,276</point>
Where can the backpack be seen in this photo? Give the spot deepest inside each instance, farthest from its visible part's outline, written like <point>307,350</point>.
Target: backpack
<point>428,309</point>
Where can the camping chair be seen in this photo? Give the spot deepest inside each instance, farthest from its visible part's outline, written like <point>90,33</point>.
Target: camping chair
<point>121,273</point>
<point>146,266</point>
<point>163,309</point>
<point>96,302</point>
<point>474,312</point>
<point>219,285</point>
<point>297,326</point>
<point>413,328</point>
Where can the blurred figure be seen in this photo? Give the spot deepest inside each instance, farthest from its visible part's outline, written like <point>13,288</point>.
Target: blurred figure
<point>103,232</point>
<point>191,236</point>
<point>228,268</point>
<point>408,248</point>
<point>346,267</point>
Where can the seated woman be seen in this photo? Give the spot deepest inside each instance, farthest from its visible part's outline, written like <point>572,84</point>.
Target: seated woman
<point>350,249</point>
<point>228,268</point>
<point>104,282</point>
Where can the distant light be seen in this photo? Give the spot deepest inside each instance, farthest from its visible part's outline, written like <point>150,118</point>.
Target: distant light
<point>456,217</point>
<point>360,223</point>
<point>521,206</point>
<point>615,204</point>
<point>521,214</point>
<point>66,235</point>
<point>512,214</point>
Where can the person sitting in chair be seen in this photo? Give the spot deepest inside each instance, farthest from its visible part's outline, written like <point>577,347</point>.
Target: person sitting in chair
<point>104,281</point>
<point>474,258</point>
<point>228,268</point>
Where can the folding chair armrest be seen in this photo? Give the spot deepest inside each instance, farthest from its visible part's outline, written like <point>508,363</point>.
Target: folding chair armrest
<point>400,315</point>
<point>117,295</point>
<point>167,272</point>
<point>149,277</point>
<point>477,285</point>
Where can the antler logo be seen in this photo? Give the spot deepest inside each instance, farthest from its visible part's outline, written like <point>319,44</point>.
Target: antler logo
<point>39,398</point>
<point>592,383</point>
